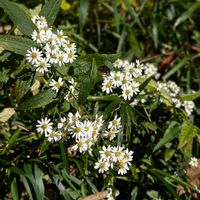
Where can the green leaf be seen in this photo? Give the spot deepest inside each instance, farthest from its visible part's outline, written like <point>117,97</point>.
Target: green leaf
<point>19,15</point>
<point>83,63</point>
<point>14,190</point>
<point>188,131</point>
<point>116,14</point>
<point>40,100</point>
<point>11,142</point>
<point>84,5</point>
<point>88,83</point>
<point>50,10</point>
<point>17,44</point>
<point>23,86</point>
<point>171,132</point>
<point>168,154</point>
<point>190,97</point>
<point>186,15</point>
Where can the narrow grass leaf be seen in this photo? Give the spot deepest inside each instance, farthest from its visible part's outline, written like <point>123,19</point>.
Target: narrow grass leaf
<point>171,132</point>
<point>190,97</point>
<point>186,15</point>
<point>16,44</point>
<point>14,190</point>
<point>175,68</point>
<point>84,5</point>
<point>50,10</point>
<point>116,14</point>
<point>40,100</point>
<point>19,15</point>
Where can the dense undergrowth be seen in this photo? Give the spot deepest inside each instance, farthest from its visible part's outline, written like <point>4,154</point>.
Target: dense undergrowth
<point>99,98</point>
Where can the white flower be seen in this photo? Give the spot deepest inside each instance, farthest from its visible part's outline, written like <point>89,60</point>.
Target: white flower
<point>69,46</point>
<point>116,78</point>
<point>42,66</point>
<point>55,85</point>
<point>80,145</point>
<point>117,153</point>
<point>106,153</point>
<point>193,162</point>
<point>38,37</point>
<point>61,123</point>
<point>54,136</point>
<point>107,85</point>
<point>87,127</point>
<point>128,156</point>
<point>44,126</point>
<point>127,92</point>
<point>111,134</point>
<point>70,56</point>
<point>135,87</point>
<point>60,38</point>
<point>73,118</point>
<point>115,123</point>
<point>118,63</point>
<point>189,107</point>
<point>77,130</point>
<point>62,58</point>
<point>123,167</point>
<point>102,165</point>
<point>33,55</point>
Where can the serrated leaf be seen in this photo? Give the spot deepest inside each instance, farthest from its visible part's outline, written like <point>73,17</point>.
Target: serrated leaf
<point>40,100</point>
<point>6,114</point>
<point>188,131</point>
<point>50,10</point>
<point>88,83</point>
<point>171,132</point>
<point>19,15</point>
<point>17,44</point>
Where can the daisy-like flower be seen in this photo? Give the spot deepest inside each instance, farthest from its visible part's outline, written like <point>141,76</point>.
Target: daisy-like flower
<point>38,37</point>
<point>42,66</point>
<point>80,145</point>
<point>102,165</point>
<point>118,63</point>
<point>135,87</point>
<point>189,107</point>
<point>70,56</point>
<point>106,153</point>
<point>116,78</point>
<point>60,38</point>
<point>73,118</point>
<point>107,85</point>
<point>117,153</point>
<point>54,136</point>
<point>69,46</point>
<point>193,162</point>
<point>55,85</point>
<point>77,130</point>
<point>115,123</point>
<point>62,58</point>
<point>127,92</point>
<point>123,167</point>
<point>128,156</point>
<point>44,126</point>
<point>111,134</point>
<point>87,127</point>
<point>33,55</point>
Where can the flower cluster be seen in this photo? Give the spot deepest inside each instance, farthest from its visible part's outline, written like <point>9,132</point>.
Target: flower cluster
<point>86,133</point>
<point>125,76</point>
<point>53,48</point>
<point>173,90</point>
<point>114,156</point>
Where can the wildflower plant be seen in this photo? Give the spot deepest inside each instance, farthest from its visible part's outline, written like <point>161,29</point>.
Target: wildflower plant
<point>90,124</point>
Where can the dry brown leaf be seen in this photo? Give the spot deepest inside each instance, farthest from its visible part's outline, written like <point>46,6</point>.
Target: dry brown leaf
<point>96,196</point>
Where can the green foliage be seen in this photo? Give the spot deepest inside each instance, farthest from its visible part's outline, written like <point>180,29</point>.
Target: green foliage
<point>161,133</point>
